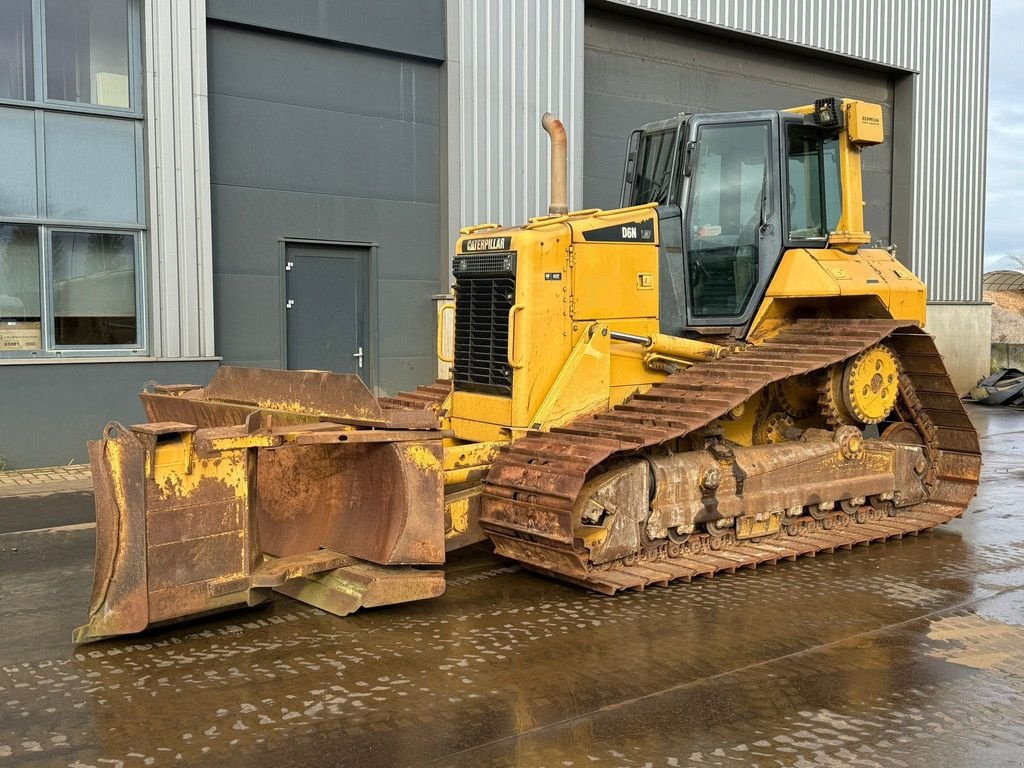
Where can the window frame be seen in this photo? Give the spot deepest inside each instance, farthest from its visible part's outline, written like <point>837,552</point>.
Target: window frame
<point>813,243</point>
<point>40,99</point>
<point>50,349</point>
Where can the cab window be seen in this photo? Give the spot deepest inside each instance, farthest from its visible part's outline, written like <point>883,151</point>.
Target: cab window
<point>815,196</point>
<point>728,202</point>
<point>653,168</point>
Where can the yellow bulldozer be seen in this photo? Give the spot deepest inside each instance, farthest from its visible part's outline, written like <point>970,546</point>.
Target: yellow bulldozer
<point>721,373</point>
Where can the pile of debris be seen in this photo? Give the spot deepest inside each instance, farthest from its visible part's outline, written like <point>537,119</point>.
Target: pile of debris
<point>1004,387</point>
<point>1007,316</point>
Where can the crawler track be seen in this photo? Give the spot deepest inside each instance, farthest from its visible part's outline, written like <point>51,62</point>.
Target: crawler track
<point>531,491</point>
<point>425,396</point>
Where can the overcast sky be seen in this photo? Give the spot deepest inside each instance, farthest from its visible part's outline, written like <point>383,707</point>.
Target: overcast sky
<point>1004,210</point>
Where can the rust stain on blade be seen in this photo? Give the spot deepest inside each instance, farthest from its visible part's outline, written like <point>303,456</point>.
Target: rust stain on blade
<point>315,393</point>
<point>242,486</point>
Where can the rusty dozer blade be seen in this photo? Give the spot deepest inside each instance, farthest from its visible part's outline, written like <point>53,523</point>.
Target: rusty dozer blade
<point>306,486</point>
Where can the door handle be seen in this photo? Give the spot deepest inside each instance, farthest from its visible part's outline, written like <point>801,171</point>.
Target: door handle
<point>359,356</point>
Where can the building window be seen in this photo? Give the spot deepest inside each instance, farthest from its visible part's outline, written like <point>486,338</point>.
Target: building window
<point>72,200</point>
<point>20,327</point>
<point>89,300</point>
<point>73,52</point>
<point>87,52</point>
<point>16,50</point>
<point>93,283</point>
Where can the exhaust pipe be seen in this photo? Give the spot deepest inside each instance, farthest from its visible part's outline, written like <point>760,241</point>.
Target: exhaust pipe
<point>559,191</point>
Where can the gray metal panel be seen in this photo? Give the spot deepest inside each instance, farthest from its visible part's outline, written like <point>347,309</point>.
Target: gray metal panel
<point>18,149</point>
<point>517,59</point>
<point>279,146</point>
<point>400,26</point>
<point>91,168</point>
<point>248,319</point>
<point>397,226</point>
<point>311,74</point>
<point>502,45</point>
<point>357,161</point>
<point>420,369</point>
<point>54,409</point>
<point>406,321</point>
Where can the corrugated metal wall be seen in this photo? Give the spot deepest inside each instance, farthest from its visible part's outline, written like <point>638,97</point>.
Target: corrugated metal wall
<point>178,179</point>
<point>517,58</point>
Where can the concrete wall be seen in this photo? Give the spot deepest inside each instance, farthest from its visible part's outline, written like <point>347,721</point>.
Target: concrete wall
<point>962,333</point>
<point>51,410</point>
<point>1007,356</point>
<point>316,133</point>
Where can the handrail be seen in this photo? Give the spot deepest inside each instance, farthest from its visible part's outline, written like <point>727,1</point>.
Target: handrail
<point>440,334</point>
<point>511,354</point>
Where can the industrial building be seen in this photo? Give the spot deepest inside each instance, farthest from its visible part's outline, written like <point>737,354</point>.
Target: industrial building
<point>216,181</point>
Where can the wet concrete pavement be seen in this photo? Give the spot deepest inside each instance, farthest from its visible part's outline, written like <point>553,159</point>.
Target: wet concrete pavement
<point>27,513</point>
<point>909,653</point>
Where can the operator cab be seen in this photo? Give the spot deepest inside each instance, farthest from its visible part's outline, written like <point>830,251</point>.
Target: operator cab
<point>734,191</point>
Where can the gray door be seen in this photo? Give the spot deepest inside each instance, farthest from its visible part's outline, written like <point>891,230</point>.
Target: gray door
<point>638,70</point>
<point>326,300</point>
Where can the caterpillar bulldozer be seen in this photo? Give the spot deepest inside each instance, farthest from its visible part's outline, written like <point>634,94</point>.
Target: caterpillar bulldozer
<point>721,373</point>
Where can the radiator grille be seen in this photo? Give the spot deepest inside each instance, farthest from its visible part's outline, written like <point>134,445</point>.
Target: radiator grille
<point>485,290</point>
<point>490,263</point>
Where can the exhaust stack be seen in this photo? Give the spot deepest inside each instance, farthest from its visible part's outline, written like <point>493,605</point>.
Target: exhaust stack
<point>559,192</point>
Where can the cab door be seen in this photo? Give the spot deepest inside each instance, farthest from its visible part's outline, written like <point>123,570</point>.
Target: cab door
<point>731,215</point>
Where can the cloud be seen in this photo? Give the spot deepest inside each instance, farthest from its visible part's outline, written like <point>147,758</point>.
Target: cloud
<point>1004,198</point>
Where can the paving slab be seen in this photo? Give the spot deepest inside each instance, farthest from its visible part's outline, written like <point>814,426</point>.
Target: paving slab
<point>45,480</point>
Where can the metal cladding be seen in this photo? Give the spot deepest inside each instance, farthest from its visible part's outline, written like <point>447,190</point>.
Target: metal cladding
<point>944,46</point>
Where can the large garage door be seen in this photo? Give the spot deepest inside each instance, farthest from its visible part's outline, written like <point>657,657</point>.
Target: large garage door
<point>336,144</point>
<point>637,70</point>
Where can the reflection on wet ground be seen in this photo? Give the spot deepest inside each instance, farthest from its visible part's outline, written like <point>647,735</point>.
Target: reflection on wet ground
<point>907,653</point>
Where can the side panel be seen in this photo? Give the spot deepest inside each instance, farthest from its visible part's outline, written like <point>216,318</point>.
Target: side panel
<point>869,283</point>
<point>540,335</point>
<point>615,266</point>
